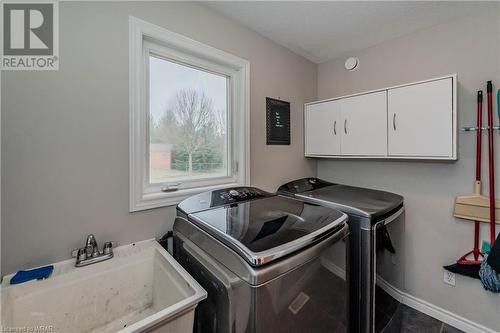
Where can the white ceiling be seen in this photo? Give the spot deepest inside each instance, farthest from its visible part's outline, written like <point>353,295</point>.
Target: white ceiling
<point>321,31</point>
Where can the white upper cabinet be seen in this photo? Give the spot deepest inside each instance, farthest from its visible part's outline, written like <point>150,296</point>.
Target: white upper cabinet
<point>411,121</point>
<point>364,124</point>
<point>420,119</point>
<point>322,128</point>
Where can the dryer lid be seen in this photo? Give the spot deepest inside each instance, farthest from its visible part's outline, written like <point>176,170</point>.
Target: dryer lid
<point>365,202</point>
<point>269,228</point>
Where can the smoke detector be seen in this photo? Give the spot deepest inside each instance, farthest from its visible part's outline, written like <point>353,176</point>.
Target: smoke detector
<point>351,63</point>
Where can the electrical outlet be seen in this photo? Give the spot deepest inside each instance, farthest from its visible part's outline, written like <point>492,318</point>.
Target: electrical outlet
<point>449,278</point>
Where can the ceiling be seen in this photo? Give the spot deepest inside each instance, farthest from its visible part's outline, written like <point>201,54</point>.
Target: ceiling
<point>321,31</point>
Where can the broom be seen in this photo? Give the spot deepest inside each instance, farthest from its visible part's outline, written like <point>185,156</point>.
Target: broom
<point>490,267</point>
<point>465,266</point>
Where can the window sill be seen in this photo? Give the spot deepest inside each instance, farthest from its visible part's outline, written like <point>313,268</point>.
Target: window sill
<point>160,199</point>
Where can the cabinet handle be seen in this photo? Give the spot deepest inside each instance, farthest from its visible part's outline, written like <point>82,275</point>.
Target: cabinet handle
<point>345,126</point>
<point>394,121</point>
<point>335,127</point>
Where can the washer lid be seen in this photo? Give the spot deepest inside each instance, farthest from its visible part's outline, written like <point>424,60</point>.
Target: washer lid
<point>266,229</point>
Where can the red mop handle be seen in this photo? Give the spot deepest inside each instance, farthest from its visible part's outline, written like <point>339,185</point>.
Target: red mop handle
<point>479,123</point>
<point>479,134</point>
<point>489,90</point>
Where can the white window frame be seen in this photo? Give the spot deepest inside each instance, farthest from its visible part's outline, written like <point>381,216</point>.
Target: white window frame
<point>146,38</point>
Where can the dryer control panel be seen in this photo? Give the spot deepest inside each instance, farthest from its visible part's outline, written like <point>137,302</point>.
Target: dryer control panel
<point>303,185</point>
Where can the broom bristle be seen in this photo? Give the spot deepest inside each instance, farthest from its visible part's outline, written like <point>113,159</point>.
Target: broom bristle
<point>470,270</point>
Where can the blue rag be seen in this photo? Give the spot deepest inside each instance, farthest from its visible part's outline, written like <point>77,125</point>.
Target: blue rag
<point>32,274</point>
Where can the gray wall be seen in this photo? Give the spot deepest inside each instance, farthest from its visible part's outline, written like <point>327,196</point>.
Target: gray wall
<point>65,133</point>
<point>471,48</point>
<point>65,137</point>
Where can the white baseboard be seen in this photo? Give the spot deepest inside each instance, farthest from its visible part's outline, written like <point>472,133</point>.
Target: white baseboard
<point>432,310</point>
<point>429,309</point>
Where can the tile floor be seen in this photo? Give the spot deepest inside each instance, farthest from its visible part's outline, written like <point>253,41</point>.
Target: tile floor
<point>394,317</point>
<point>409,320</point>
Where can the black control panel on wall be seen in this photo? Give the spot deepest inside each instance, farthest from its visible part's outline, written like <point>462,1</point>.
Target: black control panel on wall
<point>277,122</point>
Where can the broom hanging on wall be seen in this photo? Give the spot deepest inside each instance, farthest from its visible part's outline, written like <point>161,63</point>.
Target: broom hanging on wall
<point>477,207</point>
<point>466,265</point>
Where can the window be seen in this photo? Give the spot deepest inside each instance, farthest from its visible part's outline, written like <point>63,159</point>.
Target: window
<point>188,117</point>
<point>187,122</point>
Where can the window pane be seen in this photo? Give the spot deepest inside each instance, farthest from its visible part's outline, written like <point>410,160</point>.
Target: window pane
<point>188,122</point>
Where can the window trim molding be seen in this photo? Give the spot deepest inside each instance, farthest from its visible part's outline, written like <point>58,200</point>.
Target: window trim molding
<point>140,31</point>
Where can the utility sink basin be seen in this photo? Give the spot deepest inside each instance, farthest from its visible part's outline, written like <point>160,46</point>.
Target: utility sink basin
<point>141,289</point>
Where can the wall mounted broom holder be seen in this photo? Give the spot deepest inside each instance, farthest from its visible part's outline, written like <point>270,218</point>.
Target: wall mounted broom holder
<point>474,128</point>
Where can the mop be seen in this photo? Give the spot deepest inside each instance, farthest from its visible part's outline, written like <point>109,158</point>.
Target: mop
<point>490,267</point>
<point>464,265</point>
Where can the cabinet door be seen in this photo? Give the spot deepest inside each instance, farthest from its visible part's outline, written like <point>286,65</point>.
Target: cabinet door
<point>364,124</point>
<point>420,119</point>
<point>322,128</point>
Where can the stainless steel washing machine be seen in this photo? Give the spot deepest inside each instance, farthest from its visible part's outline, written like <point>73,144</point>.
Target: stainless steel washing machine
<point>259,256</point>
<point>370,213</point>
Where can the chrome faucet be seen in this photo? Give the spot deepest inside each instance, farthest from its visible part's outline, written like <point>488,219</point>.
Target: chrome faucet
<point>90,254</point>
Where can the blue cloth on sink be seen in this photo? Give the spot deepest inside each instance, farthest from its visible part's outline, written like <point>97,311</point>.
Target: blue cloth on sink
<point>32,274</point>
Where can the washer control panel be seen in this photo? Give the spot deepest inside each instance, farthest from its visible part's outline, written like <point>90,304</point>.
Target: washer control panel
<point>235,195</point>
<point>222,197</point>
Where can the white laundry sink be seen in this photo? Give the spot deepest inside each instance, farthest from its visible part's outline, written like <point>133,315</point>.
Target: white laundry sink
<point>141,288</point>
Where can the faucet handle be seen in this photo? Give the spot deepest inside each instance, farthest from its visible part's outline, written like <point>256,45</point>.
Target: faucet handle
<point>80,253</point>
<point>108,247</point>
<point>113,243</point>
